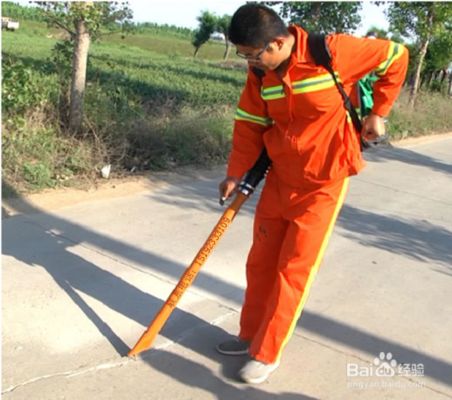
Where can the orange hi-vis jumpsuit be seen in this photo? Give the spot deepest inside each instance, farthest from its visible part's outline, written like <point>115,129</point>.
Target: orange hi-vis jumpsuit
<point>301,120</point>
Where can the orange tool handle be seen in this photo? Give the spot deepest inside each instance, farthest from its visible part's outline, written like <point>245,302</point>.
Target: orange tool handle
<point>148,337</point>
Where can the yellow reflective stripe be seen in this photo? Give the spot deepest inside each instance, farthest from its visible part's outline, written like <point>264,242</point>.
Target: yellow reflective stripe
<point>313,84</point>
<point>395,52</point>
<point>242,115</point>
<point>273,92</point>
<point>316,265</point>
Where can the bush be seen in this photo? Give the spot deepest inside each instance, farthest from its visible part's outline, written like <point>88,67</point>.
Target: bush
<point>37,156</point>
<point>192,137</point>
<point>432,114</point>
<point>38,175</point>
<point>22,88</point>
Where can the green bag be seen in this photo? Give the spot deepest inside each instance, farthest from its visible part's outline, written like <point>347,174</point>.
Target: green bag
<point>365,94</point>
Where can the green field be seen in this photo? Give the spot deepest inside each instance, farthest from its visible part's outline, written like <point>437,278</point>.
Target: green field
<point>152,68</point>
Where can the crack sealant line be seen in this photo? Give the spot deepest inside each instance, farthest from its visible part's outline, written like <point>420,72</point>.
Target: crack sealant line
<point>70,373</point>
<point>109,364</point>
<point>363,359</point>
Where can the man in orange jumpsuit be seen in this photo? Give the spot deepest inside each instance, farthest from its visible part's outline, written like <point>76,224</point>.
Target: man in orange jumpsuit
<point>296,112</point>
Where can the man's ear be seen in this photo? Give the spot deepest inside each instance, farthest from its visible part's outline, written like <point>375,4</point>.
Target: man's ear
<point>275,44</point>
<point>279,42</point>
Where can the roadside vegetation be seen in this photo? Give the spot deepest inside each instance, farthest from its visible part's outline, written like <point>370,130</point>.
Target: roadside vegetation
<point>148,105</point>
<point>145,108</point>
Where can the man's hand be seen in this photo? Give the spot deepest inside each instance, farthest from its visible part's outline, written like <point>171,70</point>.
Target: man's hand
<point>373,127</point>
<point>228,187</point>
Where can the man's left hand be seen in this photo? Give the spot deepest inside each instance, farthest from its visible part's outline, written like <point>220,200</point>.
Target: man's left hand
<point>373,127</point>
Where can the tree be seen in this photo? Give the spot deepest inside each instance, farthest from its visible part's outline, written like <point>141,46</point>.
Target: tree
<point>377,32</point>
<point>207,24</point>
<point>222,26</point>
<point>321,16</point>
<point>84,22</point>
<point>437,59</point>
<point>384,34</point>
<point>423,21</point>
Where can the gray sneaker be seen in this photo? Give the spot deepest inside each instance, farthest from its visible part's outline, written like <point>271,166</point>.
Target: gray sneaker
<point>256,371</point>
<point>234,347</point>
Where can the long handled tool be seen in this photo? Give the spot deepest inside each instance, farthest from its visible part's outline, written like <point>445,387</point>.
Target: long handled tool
<point>246,188</point>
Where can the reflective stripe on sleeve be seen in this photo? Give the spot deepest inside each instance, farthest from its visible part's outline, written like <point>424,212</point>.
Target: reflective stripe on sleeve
<point>273,92</point>
<point>395,52</point>
<point>242,115</point>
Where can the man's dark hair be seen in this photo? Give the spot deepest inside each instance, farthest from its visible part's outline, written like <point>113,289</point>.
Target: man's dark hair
<point>256,25</point>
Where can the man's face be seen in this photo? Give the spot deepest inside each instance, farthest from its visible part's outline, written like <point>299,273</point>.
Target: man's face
<point>267,57</point>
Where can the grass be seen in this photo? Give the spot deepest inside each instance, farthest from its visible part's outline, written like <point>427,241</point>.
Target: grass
<point>36,157</point>
<point>153,76</point>
<point>432,114</point>
<point>170,45</point>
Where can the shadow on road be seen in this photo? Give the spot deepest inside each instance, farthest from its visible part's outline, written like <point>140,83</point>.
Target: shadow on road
<point>199,192</point>
<point>339,332</point>
<point>196,375</point>
<point>411,157</point>
<point>415,239</point>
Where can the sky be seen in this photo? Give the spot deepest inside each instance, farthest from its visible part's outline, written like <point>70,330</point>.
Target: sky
<point>184,13</point>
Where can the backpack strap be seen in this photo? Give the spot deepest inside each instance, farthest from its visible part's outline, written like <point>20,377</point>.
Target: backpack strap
<point>260,73</point>
<point>318,48</point>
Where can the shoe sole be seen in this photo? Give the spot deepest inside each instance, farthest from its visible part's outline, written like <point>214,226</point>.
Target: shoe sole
<point>231,352</point>
<point>261,379</point>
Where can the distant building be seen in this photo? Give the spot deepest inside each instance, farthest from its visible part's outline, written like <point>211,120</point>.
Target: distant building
<point>9,24</point>
<point>217,36</point>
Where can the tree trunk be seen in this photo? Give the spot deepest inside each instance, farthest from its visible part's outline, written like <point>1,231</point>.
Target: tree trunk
<point>79,63</point>
<point>415,85</point>
<point>423,80</point>
<point>227,50</point>
<point>316,7</point>
<point>443,75</point>
<point>196,51</point>
<point>429,81</point>
<point>449,90</point>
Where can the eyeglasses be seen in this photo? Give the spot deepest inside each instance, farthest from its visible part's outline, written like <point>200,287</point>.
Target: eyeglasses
<point>250,57</point>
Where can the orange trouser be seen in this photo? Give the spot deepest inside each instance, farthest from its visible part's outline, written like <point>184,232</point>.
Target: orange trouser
<point>291,230</point>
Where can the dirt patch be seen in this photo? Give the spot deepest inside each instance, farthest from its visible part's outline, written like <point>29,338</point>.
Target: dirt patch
<point>54,199</point>
<point>413,141</point>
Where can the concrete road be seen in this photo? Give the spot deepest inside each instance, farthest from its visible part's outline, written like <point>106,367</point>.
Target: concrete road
<point>81,283</point>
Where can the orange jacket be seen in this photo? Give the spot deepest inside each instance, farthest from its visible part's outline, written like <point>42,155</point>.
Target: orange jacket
<point>301,118</point>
